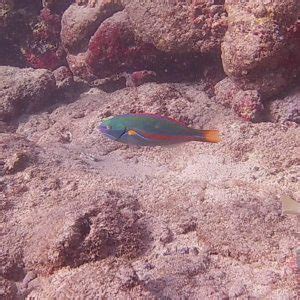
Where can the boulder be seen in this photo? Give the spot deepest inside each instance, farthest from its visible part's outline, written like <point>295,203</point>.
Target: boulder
<point>179,26</point>
<point>261,49</point>
<point>23,90</point>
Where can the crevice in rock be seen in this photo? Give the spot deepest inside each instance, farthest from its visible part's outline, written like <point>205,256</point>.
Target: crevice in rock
<point>219,2</point>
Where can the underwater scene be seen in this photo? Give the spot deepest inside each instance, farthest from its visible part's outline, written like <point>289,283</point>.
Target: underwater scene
<point>149,149</point>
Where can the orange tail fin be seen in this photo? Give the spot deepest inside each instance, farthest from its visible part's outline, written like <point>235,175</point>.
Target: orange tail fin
<point>210,136</point>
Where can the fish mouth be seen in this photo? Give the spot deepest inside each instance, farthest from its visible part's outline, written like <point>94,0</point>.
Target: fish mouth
<point>114,135</point>
<point>125,130</point>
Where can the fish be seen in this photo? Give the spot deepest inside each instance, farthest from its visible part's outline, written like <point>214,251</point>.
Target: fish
<point>145,129</point>
<point>290,206</point>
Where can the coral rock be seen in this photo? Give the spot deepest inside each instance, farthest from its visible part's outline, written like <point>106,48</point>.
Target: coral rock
<point>43,49</point>
<point>63,77</point>
<point>80,22</point>
<point>176,26</point>
<point>23,90</point>
<point>113,48</point>
<point>260,49</point>
<point>286,109</point>
<point>247,104</point>
<point>57,6</point>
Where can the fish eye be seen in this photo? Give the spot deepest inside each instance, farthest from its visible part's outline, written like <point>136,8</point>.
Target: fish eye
<point>105,127</point>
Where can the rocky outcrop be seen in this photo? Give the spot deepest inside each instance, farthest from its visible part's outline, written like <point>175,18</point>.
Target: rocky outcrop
<point>247,104</point>
<point>30,33</point>
<point>79,23</point>
<point>261,49</point>
<point>179,26</point>
<point>285,109</point>
<point>24,90</point>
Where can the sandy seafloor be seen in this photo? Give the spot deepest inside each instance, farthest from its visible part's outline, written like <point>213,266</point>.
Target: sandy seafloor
<point>87,217</point>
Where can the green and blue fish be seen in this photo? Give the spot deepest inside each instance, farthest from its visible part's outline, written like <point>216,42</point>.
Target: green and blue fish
<point>153,130</point>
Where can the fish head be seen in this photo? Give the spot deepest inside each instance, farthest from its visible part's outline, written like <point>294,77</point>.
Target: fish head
<point>112,128</point>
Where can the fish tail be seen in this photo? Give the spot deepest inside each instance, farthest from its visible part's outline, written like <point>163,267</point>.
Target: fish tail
<point>210,136</point>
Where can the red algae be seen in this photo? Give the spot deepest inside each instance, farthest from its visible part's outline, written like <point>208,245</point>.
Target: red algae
<point>113,49</point>
<point>43,48</point>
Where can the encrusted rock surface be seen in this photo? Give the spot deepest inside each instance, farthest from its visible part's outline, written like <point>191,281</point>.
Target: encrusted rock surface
<point>261,48</point>
<point>101,43</point>
<point>179,26</point>
<point>63,77</point>
<point>247,104</point>
<point>23,90</point>
<point>30,33</point>
<point>87,217</point>
<point>80,22</point>
<point>286,109</point>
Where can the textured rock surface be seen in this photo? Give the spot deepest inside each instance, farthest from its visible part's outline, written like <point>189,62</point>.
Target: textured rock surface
<point>80,22</point>
<point>57,6</point>
<point>63,77</point>
<point>23,90</point>
<point>101,41</point>
<point>261,47</point>
<point>179,26</point>
<point>42,48</point>
<point>30,34</point>
<point>286,109</point>
<point>247,104</point>
<point>195,220</point>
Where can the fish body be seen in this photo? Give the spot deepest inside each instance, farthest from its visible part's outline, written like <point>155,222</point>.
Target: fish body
<point>153,130</point>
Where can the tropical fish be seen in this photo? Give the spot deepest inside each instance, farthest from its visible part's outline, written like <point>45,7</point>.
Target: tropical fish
<point>153,130</point>
<point>290,206</point>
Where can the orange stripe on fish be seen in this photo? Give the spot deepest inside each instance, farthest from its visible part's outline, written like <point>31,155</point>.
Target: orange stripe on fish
<point>211,136</point>
<point>159,137</point>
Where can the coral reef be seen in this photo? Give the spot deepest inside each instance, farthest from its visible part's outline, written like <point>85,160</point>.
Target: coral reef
<point>57,6</point>
<point>186,222</point>
<point>113,48</point>
<point>79,23</point>
<point>193,221</point>
<point>286,109</point>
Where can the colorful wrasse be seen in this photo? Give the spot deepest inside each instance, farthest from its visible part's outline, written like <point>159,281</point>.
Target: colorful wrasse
<point>153,130</point>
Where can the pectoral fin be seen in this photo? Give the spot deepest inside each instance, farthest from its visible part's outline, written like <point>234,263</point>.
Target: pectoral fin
<point>132,132</point>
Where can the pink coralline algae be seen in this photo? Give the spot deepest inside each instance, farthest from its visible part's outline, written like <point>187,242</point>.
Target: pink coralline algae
<point>43,48</point>
<point>113,48</point>
<point>247,104</point>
